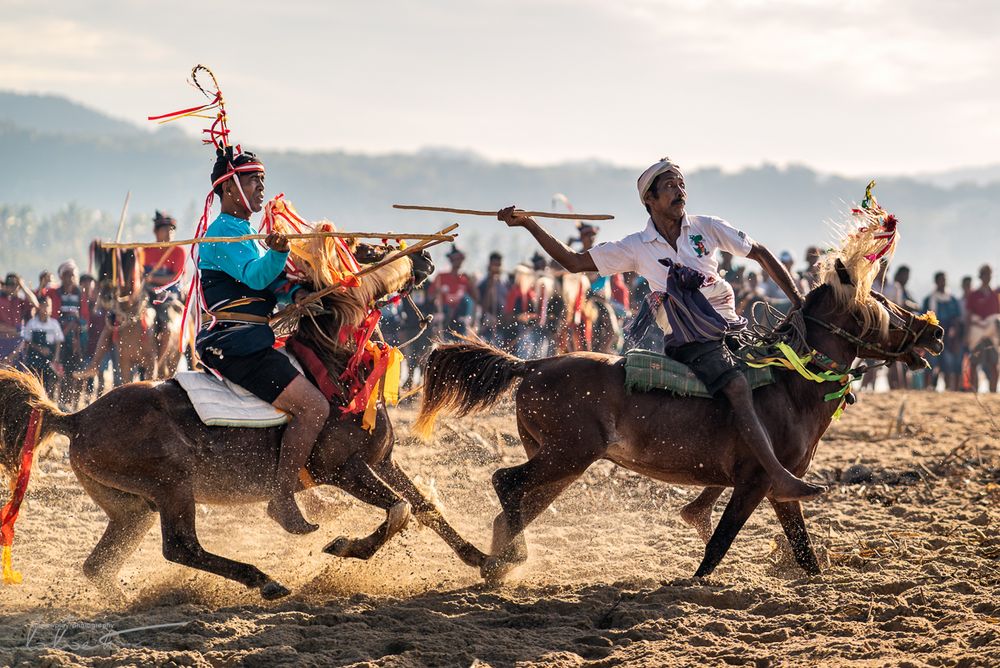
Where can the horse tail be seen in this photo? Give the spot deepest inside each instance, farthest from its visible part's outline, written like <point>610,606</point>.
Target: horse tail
<point>465,377</point>
<point>20,394</point>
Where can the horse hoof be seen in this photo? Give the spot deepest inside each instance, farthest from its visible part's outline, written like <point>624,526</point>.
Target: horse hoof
<point>273,590</point>
<point>339,547</point>
<point>494,570</point>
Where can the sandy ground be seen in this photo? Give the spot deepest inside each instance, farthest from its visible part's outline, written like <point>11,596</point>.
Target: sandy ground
<point>907,537</point>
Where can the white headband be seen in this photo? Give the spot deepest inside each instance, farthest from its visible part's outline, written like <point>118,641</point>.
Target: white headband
<point>648,176</point>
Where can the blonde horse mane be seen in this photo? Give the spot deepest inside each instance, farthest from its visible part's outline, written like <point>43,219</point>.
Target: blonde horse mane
<point>868,238</point>
<point>325,262</point>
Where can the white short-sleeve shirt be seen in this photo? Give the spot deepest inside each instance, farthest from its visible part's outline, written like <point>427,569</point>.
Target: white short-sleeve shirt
<point>53,332</point>
<point>700,237</point>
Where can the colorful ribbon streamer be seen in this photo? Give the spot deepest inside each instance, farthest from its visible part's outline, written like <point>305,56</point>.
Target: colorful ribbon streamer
<point>10,511</point>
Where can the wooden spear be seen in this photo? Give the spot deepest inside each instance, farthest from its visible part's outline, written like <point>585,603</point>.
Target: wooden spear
<point>294,310</point>
<point>476,212</point>
<point>118,237</point>
<point>306,235</point>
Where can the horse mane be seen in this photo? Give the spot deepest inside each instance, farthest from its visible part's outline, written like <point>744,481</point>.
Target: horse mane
<point>322,263</point>
<point>862,239</point>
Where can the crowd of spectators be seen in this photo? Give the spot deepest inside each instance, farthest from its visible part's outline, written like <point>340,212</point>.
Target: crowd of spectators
<point>53,328</point>
<point>522,309</point>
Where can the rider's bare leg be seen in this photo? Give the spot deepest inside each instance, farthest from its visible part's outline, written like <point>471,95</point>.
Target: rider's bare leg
<point>309,410</point>
<point>784,485</point>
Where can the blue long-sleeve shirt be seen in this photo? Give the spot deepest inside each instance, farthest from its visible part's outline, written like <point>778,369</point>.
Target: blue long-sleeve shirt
<point>242,260</point>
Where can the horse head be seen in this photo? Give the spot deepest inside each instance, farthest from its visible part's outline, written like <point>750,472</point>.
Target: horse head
<point>865,323</point>
<point>116,268</point>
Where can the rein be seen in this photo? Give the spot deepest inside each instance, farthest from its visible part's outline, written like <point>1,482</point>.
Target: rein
<point>423,320</point>
<point>905,347</point>
<point>784,353</point>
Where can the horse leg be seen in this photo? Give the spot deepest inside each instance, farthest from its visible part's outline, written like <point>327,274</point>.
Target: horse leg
<point>181,545</point>
<point>790,516</point>
<point>745,499</point>
<point>428,514</point>
<point>129,519</point>
<point>357,479</point>
<point>524,492</point>
<point>698,513</point>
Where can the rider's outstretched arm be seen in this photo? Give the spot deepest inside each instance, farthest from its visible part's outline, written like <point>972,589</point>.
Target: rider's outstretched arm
<point>571,260</point>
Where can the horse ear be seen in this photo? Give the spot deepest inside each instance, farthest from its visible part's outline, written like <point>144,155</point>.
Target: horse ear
<point>842,273</point>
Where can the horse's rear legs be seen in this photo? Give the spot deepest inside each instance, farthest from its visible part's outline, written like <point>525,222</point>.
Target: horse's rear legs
<point>181,545</point>
<point>357,479</point>
<point>745,499</point>
<point>428,514</point>
<point>698,513</point>
<point>129,518</point>
<point>790,516</point>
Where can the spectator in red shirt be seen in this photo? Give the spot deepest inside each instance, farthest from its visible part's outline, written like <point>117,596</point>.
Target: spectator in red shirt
<point>162,267</point>
<point>983,324</point>
<point>452,293</point>
<point>88,288</point>
<point>14,312</point>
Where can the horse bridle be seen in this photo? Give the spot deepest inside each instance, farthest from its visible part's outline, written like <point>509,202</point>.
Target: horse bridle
<point>404,293</point>
<point>905,347</point>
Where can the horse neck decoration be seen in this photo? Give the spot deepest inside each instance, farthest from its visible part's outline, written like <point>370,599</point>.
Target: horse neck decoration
<point>338,329</point>
<point>573,410</point>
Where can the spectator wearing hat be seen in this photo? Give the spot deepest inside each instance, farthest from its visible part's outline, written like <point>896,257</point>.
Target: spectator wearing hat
<point>16,305</point>
<point>68,300</point>
<point>161,269</point>
<point>453,295</point>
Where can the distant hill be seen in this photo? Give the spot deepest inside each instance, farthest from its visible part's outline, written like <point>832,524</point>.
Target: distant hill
<point>975,175</point>
<point>68,167</point>
<point>55,114</point>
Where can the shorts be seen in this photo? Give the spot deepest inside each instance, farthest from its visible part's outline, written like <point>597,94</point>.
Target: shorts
<point>264,374</point>
<point>712,362</point>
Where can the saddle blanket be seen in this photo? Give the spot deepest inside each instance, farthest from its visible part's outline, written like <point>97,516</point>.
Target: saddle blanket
<point>222,403</point>
<point>646,370</point>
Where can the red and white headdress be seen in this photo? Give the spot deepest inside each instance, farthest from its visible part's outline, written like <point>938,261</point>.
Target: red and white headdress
<point>238,163</point>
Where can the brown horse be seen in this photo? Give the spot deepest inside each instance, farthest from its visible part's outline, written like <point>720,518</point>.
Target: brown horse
<point>573,410</point>
<point>142,449</point>
<point>131,334</point>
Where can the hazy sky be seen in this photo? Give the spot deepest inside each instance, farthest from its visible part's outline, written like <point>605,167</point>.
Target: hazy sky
<point>846,86</point>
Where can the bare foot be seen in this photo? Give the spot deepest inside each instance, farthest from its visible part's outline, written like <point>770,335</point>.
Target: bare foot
<point>289,517</point>
<point>700,517</point>
<point>794,489</point>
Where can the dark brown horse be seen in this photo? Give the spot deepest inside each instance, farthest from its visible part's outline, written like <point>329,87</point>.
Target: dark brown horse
<point>573,410</point>
<point>141,449</point>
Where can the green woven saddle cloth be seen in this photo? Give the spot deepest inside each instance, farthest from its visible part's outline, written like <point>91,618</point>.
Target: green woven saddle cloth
<point>646,370</point>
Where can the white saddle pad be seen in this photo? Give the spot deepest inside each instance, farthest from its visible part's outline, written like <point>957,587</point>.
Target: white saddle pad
<point>223,403</point>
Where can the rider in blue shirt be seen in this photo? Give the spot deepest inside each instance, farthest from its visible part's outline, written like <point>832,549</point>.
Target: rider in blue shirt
<point>241,288</point>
